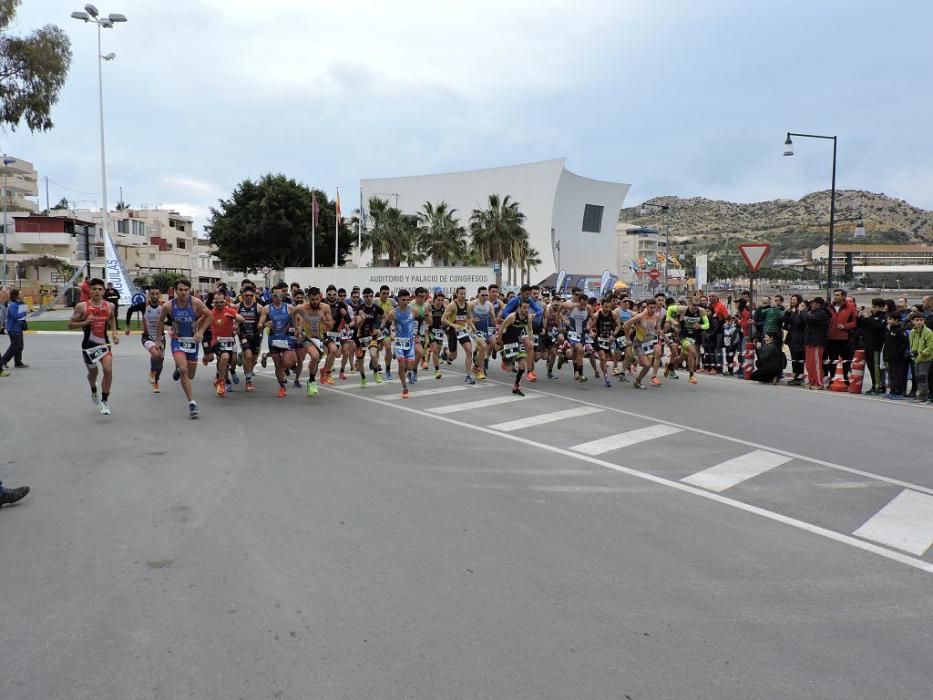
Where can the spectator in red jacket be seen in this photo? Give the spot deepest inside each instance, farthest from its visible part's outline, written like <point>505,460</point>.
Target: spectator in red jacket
<point>843,317</point>
<point>717,307</point>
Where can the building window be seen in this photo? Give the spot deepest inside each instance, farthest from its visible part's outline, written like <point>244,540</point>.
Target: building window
<point>122,226</point>
<point>218,265</point>
<point>180,243</point>
<point>592,218</point>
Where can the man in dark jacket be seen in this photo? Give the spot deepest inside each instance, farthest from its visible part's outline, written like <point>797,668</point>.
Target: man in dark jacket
<point>771,360</point>
<point>873,323</point>
<point>895,354</point>
<point>795,327</point>
<point>814,339</point>
<point>843,319</point>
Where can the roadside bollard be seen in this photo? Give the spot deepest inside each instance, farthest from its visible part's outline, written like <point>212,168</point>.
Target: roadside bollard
<point>857,373</point>
<point>749,358</point>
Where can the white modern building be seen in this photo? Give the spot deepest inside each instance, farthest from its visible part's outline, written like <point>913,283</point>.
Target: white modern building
<point>569,217</point>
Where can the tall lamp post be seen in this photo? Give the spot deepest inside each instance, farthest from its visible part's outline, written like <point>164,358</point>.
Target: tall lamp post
<point>6,163</point>
<point>789,151</point>
<point>666,209</point>
<point>91,14</point>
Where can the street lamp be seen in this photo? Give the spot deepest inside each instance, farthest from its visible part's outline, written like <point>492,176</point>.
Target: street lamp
<point>789,151</point>
<point>666,208</point>
<point>557,250</point>
<point>91,14</point>
<point>6,163</point>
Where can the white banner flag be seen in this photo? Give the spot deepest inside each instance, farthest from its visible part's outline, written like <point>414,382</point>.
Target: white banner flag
<point>116,273</point>
<point>702,261</point>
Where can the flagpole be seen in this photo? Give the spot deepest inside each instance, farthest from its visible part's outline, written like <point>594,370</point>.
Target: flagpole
<point>337,233</point>
<point>359,240</point>
<point>313,207</point>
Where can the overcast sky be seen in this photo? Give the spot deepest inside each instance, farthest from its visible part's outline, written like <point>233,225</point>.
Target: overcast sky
<point>676,97</point>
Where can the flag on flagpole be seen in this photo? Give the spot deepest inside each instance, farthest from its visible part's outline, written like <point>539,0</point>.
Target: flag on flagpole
<point>315,215</point>
<point>337,232</point>
<point>315,210</point>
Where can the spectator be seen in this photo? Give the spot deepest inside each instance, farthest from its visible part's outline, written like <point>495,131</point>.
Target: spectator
<point>921,352</point>
<point>717,307</point>
<point>895,354</point>
<point>86,289</point>
<point>814,339</point>
<point>8,496</point>
<point>771,360</point>
<point>759,317</point>
<point>927,310</point>
<point>843,317</point>
<point>15,325</point>
<point>731,342</point>
<point>113,296</point>
<point>138,306</point>
<point>774,320</point>
<point>796,328</point>
<point>873,324</point>
<point>744,316</point>
<point>4,299</point>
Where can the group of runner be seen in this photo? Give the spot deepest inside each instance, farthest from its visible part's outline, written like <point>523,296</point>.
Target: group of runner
<point>335,333</point>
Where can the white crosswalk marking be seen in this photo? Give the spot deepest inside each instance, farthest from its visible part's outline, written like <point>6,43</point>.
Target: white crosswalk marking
<point>614,442</point>
<point>482,403</point>
<point>734,471</point>
<point>905,523</point>
<point>544,418</point>
<point>417,393</point>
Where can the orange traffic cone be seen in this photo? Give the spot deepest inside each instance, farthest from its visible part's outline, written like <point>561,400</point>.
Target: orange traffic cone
<point>838,383</point>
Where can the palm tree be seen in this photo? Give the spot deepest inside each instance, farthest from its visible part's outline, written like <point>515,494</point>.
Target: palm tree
<point>373,237</point>
<point>532,259</point>
<point>498,232</point>
<point>440,234</point>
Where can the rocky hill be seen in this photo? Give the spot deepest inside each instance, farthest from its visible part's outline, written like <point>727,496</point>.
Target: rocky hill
<point>792,227</point>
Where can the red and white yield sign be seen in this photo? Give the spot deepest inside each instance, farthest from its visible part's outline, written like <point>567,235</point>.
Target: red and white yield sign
<point>754,254</point>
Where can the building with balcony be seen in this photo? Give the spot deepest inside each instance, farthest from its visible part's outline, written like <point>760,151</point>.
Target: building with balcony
<point>19,182</point>
<point>878,258</point>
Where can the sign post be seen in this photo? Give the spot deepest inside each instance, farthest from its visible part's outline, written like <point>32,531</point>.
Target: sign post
<point>754,254</point>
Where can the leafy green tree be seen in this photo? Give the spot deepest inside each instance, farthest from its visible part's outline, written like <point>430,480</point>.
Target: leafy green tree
<point>33,69</point>
<point>63,203</point>
<point>268,223</point>
<point>498,232</point>
<point>165,280</point>
<point>440,235</point>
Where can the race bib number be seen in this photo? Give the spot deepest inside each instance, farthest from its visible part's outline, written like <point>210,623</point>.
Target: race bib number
<point>510,350</point>
<point>96,354</point>
<point>552,333</point>
<point>590,340</point>
<point>573,337</point>
<point>438,334</point>
<point>226,344</point>
<point>280,343</point>
<point>622,342</point>
<point>463,333</point>
<point>605,343</point>
<point>648,347</point>
<point>334,336</point>
<point>188,345</point>
<point>403,343</point>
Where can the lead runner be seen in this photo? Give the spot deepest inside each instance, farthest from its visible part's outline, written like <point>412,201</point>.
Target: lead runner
<point>95,317</point>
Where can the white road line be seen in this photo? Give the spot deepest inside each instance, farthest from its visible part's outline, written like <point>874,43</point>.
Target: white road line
<point>619,440</point>
<point>905,523</point>
<point>738,441</point>
<point>416,393</point>
<point>677,486</point>
<point>482,403</point>
<point>543,418</point>
<point>734,471</point>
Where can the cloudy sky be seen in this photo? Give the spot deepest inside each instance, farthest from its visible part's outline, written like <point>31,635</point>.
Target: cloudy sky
<point>674,96</point>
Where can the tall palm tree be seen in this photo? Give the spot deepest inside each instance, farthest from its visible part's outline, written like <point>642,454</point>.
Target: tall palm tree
<point>374,235</point>
<point>440,234</point>
<point>531,259</point>
<point>498,232</point>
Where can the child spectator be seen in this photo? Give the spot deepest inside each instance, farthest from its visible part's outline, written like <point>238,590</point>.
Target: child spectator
<point>895,354</point>
<point>921,352</point>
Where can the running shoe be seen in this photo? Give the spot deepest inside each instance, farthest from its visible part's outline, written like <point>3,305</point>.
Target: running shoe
<point>95,399</point>
<point>389,374</point>
<point>437,374</point>
<point>616,371</point>
<point>249,385</point>
<point>4,372</point>
<point>343,376</point>
<point>363,382</point>
<point>8,496</point>
<point>608,384</point>
<point>480,374</point>
<point>220,388</point>
<point>550,374</point>
<point>378,377</point>
<point>674,375</point>
<point>414,377</point>
<point>656,381</point>
<point>693,379</point>
<point>596,374</point>
<point>404,393</point>
<point>516,390</point>
<point>532,377</point>
<point>155,388</point>
<point>469,380</point>
<point>264,359</point>
<point>192,409</point>
<point>228,386</point>
<point>151,377</point>
<point>235,377</point>
<point>104,408</point>
<point>638,385</point>
<point>312,389</point>
<point>424,364</point>
<point>296,383</point>
<point>176,375</point>
<point>281,392</point>
<point>582,378</point>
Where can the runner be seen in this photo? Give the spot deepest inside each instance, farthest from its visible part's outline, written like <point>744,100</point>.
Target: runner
<point>459,322</point>
<point>95,317</point>
<point>553,336</point>
<point>437,334</point>
<point>154,344</point>
<point>578,318</point>
<point>349,342</point>
<point>278,316</point>
<point>367,336</point>
<point>312,322</point>
<point>405,325</point>
<point>688,323</point>
<point>535,308</point>
<point>605,326</point>
<point>333,337</point>
<point>420,308</point>
<point>387,304</point>
<point>223,334</point>
<point>484,321</point>
<point>189,318</point>
<point>512,332</point>
<point>647,342</point>
<point>248,332</point>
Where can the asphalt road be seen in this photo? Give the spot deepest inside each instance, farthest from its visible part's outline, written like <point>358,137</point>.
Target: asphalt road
<point>747,542</point>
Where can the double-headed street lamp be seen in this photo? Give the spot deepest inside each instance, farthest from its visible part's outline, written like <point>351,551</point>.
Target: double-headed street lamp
<point>91,14</point>
<point>7,162</point>
<point>666,209</point>
<point>789,151</point>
